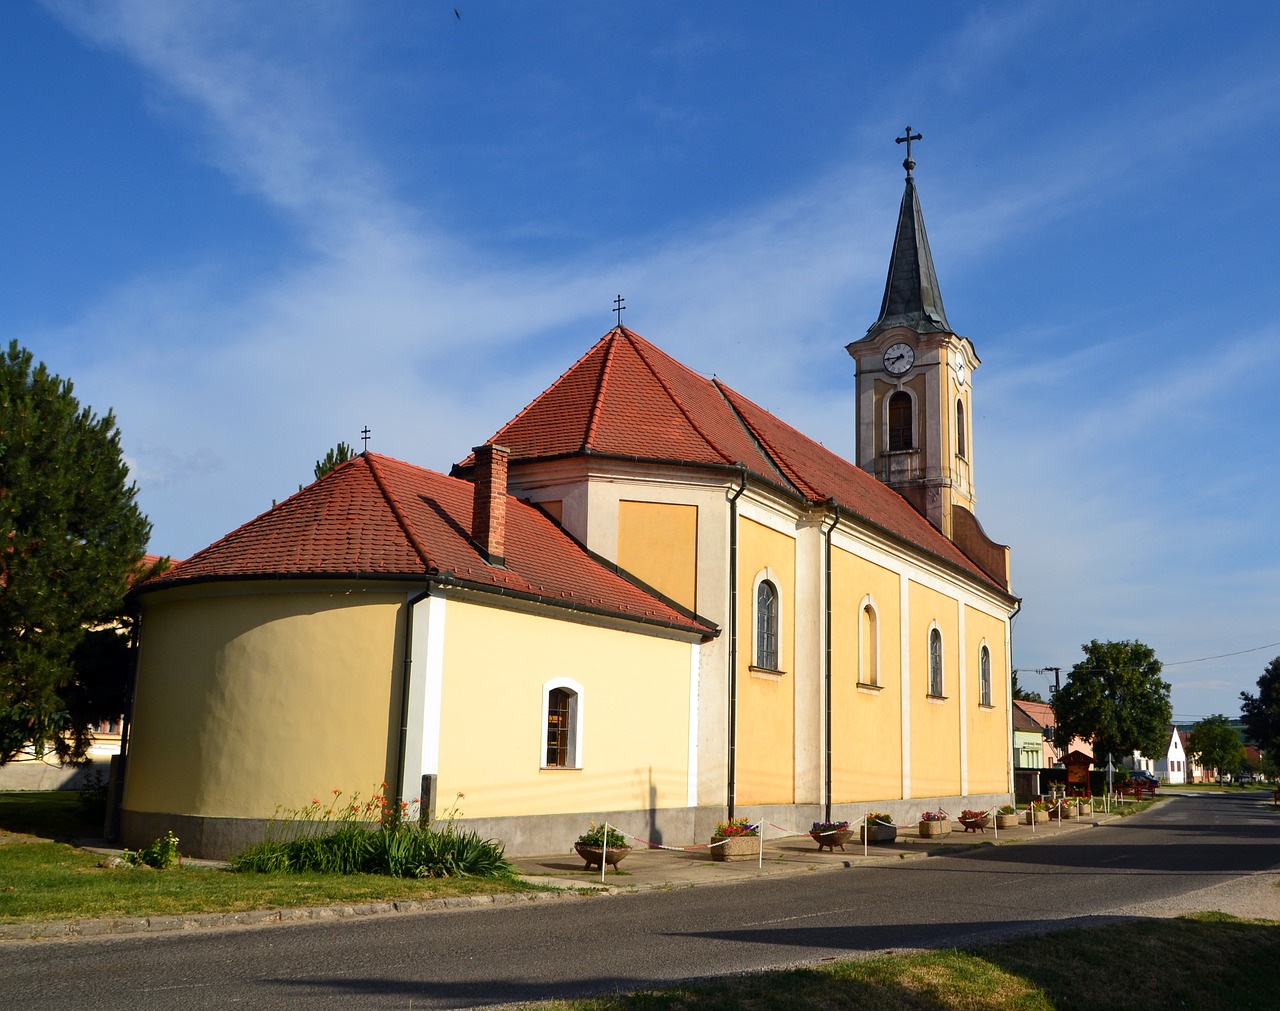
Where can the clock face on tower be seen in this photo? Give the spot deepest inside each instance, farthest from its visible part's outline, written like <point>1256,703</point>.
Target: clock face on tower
<point>898,358</point>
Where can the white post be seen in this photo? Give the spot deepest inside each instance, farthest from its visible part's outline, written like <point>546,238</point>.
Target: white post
<point>866,832</point>
<point>604,852</point>
<point>760,833</point>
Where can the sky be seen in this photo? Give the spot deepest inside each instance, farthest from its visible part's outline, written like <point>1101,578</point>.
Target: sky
<point>251,230</point>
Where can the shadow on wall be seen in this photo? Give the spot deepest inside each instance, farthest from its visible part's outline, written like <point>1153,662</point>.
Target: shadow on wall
<point>49,775</point>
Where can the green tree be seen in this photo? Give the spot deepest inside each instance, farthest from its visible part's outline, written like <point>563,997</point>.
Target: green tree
<point>1021,694</point>
<point>1261,713</point>
<point>340,453</point>
<point>72,537</point>
<point>1115,696</point>
<point>1215,745</point>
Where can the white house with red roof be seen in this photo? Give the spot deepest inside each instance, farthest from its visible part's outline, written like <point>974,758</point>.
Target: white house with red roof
<point>644,599</point>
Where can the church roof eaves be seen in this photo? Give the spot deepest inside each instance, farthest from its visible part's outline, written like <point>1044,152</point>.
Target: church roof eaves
<point>374,517</point>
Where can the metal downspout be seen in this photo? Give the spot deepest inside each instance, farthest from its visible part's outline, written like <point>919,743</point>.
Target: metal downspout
<point>733,639</point>
<point>826,699</point>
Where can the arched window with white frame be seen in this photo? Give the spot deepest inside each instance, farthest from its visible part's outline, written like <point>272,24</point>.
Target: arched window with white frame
<point>562,724</point>
<point>984,676</point>
<point>766,654</point>
<point>935,663</point>
<point>868,644</point>
<point>962,440</point>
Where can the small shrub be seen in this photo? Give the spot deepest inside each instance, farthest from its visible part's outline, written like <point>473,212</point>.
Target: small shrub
<point>595,836</point>
<point>161,854</point>
<point>92,796</point>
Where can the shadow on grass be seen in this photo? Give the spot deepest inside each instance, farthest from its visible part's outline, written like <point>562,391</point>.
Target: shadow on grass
<point>47,814</point>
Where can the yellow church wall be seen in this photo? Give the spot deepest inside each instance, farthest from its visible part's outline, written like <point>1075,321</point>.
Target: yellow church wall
<point>634,701</point>
<point>988,729</point>
<point>658,541</point>
<point>766,702</point>
<point>935,724</point>
<point>866,722</point>
<point>252,700</point>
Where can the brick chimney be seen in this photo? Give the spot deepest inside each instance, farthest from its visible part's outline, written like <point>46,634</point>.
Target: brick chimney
<point>489,502</point>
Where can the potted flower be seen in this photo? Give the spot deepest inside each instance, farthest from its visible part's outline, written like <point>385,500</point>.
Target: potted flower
<point>975,821</point>
<point>1037,812</point>
<point>830,834</point>
<point>735,839</point>
<point>595,845</point>
<point>1006,816</point>
<point>1084,805</point>
<point>1066,809</point>
<point>934,823</point>
<point>878,827</point>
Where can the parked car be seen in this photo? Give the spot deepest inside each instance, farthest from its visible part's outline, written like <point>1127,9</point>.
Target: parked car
<point>1144,776</point>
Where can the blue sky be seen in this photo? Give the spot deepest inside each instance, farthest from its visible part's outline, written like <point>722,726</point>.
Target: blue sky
<point>252,229</point>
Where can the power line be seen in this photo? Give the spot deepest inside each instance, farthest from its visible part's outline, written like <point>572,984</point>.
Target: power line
<point>1221,656</point>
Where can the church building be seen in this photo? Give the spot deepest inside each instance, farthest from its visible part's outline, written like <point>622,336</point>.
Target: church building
<point>644,599</point>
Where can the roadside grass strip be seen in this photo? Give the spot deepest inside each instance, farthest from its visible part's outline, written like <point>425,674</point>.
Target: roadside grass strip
<point>46,881</point>
<point>1209,961</point>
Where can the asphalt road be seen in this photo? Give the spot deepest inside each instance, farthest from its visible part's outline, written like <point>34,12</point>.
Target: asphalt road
<point>471,958</point>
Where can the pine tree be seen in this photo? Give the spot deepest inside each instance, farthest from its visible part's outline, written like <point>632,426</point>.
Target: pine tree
<point>71,536</point>
<point>340,453</point>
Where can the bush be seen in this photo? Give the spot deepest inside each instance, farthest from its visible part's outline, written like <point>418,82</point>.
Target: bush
<point>371,838</point>
<point>161,854</point>
<point>92,797</point>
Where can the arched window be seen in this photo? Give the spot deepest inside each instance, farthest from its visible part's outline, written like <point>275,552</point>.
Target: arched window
<point>984,682</point>
<point>900,421</point>
<point>869,647</point>
<point>562,724</point>
<point>766,625</point>
<point>935,663</point>
<point>962,441</point>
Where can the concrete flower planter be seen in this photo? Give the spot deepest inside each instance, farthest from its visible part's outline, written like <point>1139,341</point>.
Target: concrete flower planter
<point>878,833</point>
<point>830,840</point>
<point>733,848</point>
<point>1006,820</point>
<point>591,855</point>
<point>1035,817</point>
<point>934,828</point>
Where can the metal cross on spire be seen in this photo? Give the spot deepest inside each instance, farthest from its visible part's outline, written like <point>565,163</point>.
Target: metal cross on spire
<point>364,434</point>
<point>619,304</point>
<point>908,163</point>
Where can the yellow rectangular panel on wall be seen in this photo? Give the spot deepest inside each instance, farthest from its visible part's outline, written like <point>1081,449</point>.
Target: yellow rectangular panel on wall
<point>988,725</point>
<point>935,722</point>
<point>766,702</point>
<point>658,541</point>
<point>866,687</point>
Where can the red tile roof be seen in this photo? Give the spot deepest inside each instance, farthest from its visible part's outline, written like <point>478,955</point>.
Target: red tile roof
<point>374,516</point>
<point>626,398</point>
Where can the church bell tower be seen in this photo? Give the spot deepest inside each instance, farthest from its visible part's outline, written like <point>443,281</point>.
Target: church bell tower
<point>915,383</point>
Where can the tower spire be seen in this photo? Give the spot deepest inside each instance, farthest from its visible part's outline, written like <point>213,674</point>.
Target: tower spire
<point>912,297</point>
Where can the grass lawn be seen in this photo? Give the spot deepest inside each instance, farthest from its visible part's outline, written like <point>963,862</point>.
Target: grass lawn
<point>41,879</point>
<point>1209,962</point>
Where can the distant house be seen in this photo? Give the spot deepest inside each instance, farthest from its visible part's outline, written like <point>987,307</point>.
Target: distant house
<point>1041,713</point>
<point>1196,773</point>
<point>1171,767</point>
<point>1028,740</point>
